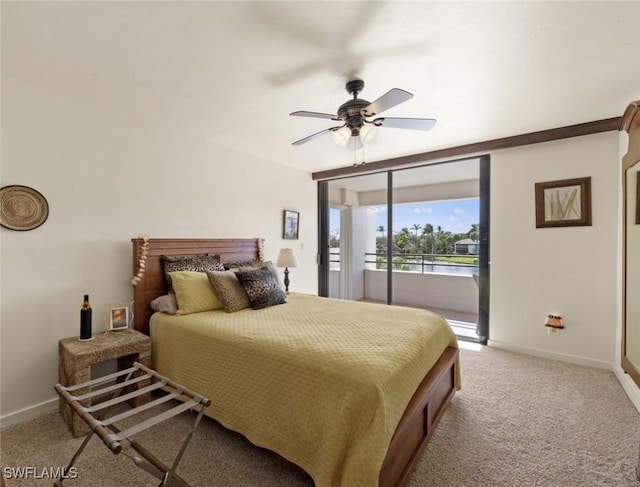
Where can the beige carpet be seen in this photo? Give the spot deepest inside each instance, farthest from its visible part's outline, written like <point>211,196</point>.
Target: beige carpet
<point>519,421</point>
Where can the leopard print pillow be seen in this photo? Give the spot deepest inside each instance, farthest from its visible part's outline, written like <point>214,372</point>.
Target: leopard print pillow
<point>194,263</point>
<point>242,264</point>
<point>261,287</point>
<point>229,291</point>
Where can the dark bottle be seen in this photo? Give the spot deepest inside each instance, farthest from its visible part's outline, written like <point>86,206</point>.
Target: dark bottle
<point>85,319</point>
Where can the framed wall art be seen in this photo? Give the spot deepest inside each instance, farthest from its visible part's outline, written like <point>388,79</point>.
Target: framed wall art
<point>563,203</point>
<point>22,208</point>
<point>291,224</point>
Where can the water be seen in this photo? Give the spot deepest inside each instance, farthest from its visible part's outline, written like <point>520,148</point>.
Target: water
<point>461,270</point>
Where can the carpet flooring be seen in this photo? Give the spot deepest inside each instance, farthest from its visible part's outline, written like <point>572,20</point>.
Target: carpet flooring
<point>518,421</point>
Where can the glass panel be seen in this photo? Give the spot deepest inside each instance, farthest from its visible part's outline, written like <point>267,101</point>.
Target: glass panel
<point>334,253</point>
<point>436,215</point>
<point>430,236</point>
<point>356,204</point>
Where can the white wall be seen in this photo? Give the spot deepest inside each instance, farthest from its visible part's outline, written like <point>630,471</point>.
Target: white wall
<point>110,177</point>
<point>570,271</point>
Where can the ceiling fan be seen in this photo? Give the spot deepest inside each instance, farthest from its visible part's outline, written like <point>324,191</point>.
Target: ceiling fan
<point>355,114</point>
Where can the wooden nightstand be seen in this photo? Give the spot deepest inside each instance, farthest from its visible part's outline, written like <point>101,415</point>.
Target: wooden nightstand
<point>75,359</point>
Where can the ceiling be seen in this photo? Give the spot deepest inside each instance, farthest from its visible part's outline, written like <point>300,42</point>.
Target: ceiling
<point>229,73</point>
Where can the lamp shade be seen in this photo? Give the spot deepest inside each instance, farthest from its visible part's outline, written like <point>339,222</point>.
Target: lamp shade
<point>287,258</point>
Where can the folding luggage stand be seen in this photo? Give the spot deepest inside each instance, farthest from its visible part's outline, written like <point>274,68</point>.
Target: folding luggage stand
<point>112,436</point>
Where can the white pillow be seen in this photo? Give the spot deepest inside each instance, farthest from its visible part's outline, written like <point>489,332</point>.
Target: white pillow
<point>165,304</point>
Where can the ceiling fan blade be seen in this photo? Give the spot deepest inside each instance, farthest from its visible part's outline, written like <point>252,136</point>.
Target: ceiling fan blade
<point>313,136</point>
<point>315,115</point>
<point>390,99</point>
<point>405,123</point>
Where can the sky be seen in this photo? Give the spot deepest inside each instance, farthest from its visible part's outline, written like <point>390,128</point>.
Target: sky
<point>456,216</point>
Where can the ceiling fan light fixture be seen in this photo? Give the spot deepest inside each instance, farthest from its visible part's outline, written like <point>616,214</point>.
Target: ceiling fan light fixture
<point>344,137</point>
<point>341,136</point>
<point>367,132</point>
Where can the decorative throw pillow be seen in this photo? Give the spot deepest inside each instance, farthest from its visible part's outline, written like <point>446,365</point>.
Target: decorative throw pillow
<point>165,304</point>
<point>239,264</point>
<point>229,290</point>
<point>194,263</point>
<point>272,268</point>
<point>194,292</point>
<point>261,287</point>
<point>248,265</point>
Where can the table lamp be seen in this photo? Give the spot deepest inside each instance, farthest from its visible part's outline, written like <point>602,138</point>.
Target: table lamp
<point>287,258</point>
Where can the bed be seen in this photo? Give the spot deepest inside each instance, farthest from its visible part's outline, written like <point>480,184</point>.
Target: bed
<point>369,439</point>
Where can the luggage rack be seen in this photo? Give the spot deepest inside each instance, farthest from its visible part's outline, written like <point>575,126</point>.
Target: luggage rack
<point>112,436</point>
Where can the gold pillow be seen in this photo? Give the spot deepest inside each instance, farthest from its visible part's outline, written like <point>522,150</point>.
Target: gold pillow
<point>194,292</point>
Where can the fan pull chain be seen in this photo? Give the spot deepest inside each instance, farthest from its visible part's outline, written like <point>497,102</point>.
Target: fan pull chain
<point>355,158</point>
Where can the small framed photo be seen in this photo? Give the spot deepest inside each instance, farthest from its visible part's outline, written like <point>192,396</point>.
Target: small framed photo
<point>563,203</point>
<point>119,318</point>
<point>291,224</point>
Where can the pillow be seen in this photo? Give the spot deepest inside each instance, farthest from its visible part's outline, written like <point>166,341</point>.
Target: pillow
<point>261,287</point>
<point>272,268</point>
<point>195,263</point>
<point>193,292</point>
<point>229,290</point>
<point>248,265</point>
<point>253,263</point>
<point>165,304</point>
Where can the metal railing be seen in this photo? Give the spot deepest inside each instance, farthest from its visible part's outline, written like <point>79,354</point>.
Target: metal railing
<point>422,263</point>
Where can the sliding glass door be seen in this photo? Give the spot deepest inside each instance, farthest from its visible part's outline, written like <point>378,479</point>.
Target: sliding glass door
<point>415,237</point>
<point>353,237</point>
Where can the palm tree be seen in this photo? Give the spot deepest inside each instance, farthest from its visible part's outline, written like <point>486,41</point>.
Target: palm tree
<point>381,240</point>
<point>475,231</point>
<point>417,227</point>
<point>428,231</point>
<point>402,238</point>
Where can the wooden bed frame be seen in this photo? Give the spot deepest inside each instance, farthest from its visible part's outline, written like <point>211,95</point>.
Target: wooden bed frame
<point>423,412</point>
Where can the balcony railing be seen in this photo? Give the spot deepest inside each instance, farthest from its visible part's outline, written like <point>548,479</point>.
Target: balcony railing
<point>423,263</point>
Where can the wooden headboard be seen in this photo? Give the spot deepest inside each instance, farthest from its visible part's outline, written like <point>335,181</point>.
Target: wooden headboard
<point>152,283</point>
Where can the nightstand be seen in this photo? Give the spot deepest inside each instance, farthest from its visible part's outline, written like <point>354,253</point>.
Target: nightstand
<point>75,359</point>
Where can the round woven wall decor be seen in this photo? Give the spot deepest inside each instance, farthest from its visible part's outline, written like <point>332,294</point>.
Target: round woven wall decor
<point>22,208</point>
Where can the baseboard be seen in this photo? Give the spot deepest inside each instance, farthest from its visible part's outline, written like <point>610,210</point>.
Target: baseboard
<point>562,357</point>
<point>630,387</point>
<point>28,413</point>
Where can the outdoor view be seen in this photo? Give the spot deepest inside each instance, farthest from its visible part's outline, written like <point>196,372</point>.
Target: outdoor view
<point>427,237</point>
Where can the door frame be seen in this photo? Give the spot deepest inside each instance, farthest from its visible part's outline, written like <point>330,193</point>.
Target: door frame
<point>484,195</point>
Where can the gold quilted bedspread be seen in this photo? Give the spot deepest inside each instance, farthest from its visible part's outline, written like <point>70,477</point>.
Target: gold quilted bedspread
<point>322,382</point>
